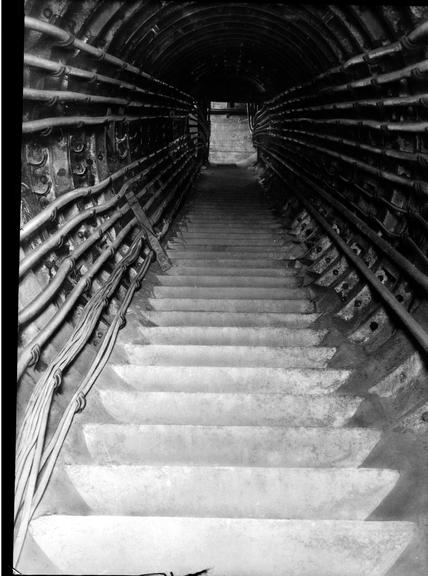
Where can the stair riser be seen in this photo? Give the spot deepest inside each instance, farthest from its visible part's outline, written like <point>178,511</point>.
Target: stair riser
<point>204,260</point>
<point>264,547</point>
<point>232,379</point>
<point>227,409</point>
<point>235,252</point>
<point>232,492</point>
<point>226,319</point>
<point>238,240</point>
<point>224,228</point>
<point>214,336</point>
<point>205,305</point>
<point>296,357</point>
<point>200,270</point>
<point>226,244</point>
<point>238,217</point>
<point>249,235</point>
<point>230,293</point>
<point>229,446</point>
<point>249,212</point>
<point>228,281</point>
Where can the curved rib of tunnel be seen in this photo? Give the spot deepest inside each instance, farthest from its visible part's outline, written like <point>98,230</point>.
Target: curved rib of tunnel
<point>223,289</point>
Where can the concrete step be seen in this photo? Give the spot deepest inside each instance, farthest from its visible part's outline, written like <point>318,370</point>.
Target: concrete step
<point>228,281</point>
<point>279,253</point>
<point>256,221</point>
<point>228,546</point>
<point>271,446</point>
<point>234,292</point>
<point>222,261</point>
<point>231,335</point>
<point>227,492</point>
<point>231,379</point>
<point>200,270</point>
<point>201,204</point>
<point>247,212</point>
<point>226,227</point>
<point>192,355</point>
<point>231,215</point>
<point>225,244</point>
<point>255,235</point>
<point>236,239</point>
<point>233,319</point>
<point>242,218</point>
<point>228,409</point>
<point>229,305</point>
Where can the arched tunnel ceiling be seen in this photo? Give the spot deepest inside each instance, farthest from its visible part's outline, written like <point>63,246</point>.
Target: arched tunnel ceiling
<point>229,50</point>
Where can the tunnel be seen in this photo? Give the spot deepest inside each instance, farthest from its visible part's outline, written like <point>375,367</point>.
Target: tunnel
<point>223,276</point>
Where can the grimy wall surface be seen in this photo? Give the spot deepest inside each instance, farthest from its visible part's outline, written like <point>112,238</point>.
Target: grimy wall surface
<point>230,139</point>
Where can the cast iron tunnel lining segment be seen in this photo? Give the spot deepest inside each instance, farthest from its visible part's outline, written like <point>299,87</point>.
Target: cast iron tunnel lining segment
<point>248,362</point>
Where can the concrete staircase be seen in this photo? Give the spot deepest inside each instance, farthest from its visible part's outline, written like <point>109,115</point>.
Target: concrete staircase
<point>229,448</point>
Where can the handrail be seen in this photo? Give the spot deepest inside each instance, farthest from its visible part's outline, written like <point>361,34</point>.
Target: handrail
<point>66,39</point>
<point>407,319</point>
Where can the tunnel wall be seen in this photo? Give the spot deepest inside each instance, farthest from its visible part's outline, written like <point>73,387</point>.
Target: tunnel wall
<point>108,154</point>
<point>350,146</point>
<point>115,104</point>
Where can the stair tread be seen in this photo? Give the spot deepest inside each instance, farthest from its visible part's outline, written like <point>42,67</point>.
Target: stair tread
<point>230,355</point>
<point>231,305</point>
<point>272,446</point>
<point>198,269</point>
<point>239,292</point>
<point>227,281</point>
<point>232,492</point>
<point>232,379</point>
<point>233,319</point>
<point>231,408</point>
<point>198,335</point>
<point>263,546</point>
